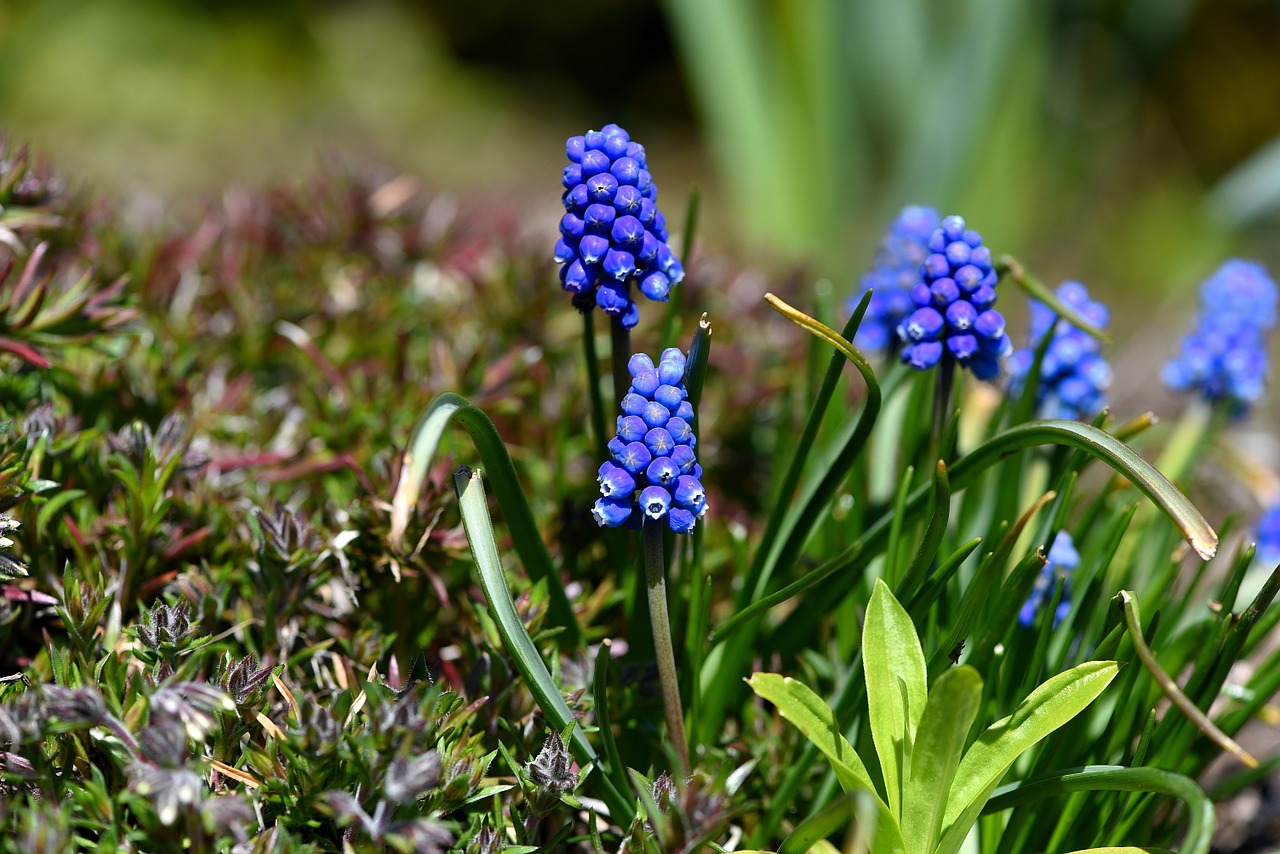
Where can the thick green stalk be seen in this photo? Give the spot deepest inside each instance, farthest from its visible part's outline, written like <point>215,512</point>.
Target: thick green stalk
<point>656,581</point>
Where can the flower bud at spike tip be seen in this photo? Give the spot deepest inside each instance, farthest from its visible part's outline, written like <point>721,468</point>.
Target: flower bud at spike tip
<point>654,472</point>
<point>613,233</point>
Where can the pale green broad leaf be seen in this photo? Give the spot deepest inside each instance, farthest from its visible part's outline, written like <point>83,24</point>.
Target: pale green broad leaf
<point>1052,704</point>
<point>897,687</point>
<point>951,710</point>
<point>808,713</point>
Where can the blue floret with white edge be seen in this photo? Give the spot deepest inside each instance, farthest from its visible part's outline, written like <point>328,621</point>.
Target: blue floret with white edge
<point>652,471</point>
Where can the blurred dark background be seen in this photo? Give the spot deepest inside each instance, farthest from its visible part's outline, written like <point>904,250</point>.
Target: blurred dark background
<point>1131,144</point>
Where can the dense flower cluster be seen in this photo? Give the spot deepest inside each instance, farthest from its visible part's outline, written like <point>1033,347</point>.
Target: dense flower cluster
<point>896,268</point>
<point>612,231</point>
<point>1073,375</point>
<point>653,472</point>
<point>1063,560</point>
<point>1225,357</point>
<point>1267,536</point>
<point>954,298</point>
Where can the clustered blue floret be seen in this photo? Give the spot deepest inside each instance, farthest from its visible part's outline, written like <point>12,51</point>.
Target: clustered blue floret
<point>895,269</point>
<point>1063,560</point>
<point>653,472</point>
<point>612,232</point>
<point>1074,377</point>
<point>1267,536</point>
<point>954,316</point>
<point>1225,357</point>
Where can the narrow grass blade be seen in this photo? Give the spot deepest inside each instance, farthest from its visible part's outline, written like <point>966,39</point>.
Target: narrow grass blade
<point>896,689</point>
<point>675,301</point>
<point>1170,688</point>
<point>600,697</point>
<point>525,534</point>
<point>695,369</point>
<point>918,570</point>
<point>1037,290</point>
<point>484,551</point>
<point>1113,778</point>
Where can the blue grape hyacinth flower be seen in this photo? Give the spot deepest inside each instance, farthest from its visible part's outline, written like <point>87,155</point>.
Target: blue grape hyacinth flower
<point>1267,536</point>
<point>1225,358</point>
<point>1073,375</point>
<point>612,233</point>
<point>652,471</point>
<point>895,270</point>
<point>954,299</point>
<point>1063,560</point>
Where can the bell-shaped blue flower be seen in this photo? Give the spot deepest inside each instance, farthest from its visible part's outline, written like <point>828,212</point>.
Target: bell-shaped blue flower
<point>653,471</point>
<point>612,235</point>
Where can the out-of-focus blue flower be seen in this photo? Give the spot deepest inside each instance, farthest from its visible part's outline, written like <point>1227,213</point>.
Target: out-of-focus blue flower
<point>652,471</point>
<point>1267,536</point>
<point>954,316</point>
<point>1063,560</point>
<point>612,233</point>
<point>895,269</point>
<point>1225,358</point>
<point>1073,375</point>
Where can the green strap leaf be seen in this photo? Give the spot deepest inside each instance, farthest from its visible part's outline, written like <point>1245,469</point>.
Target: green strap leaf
<point>525,534</point>
<point>952,708</point>
<point>808,713</point>
<point>484,551</point>
<point>896,688</point>
<point>1048,707</point>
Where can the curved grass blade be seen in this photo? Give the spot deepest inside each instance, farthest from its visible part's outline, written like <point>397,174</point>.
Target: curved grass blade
<point>525,535</point>
<point>1110,450</point>
<point>1133,619</point>
<point>484,551</point>
<point>918,570</point>
<point>1114,778</point>
<point>819,826</point>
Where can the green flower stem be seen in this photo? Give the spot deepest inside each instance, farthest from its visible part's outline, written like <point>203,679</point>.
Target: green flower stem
<point>621,353</point>
<point>655,575</point>
<point>593,384</point>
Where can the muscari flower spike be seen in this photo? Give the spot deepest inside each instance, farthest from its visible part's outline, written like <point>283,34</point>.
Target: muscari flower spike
<point>1267,536</point>
<point>953,299</point>
<point>1225,357</point>
<point>612,233</point>
<point>1073,375</point>
<point>895,269</point>
<point>1063,560</point>
<point>653,471</point>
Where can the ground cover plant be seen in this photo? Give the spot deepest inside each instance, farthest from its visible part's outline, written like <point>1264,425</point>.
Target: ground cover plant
<point>339,518</point>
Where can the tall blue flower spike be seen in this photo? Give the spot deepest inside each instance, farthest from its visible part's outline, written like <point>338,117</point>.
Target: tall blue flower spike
<point>954,297</point>
<point>1267,536</point>
<point>612,233</point>
<point>895,269</point>
<point>1063,560</point>
<point>1073,376</point>
<point>652,471</point>
<point>1225,357</point>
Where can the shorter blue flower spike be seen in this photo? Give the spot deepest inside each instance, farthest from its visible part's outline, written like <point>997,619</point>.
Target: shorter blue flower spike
<point>1267,536</point>
<point>895,269</point>
<point>1074,377</point>
<point>1063,559</point>
<point>613,234</point>
<point>1224,358</point>
<point>951,297</point>
<point>653,472</point>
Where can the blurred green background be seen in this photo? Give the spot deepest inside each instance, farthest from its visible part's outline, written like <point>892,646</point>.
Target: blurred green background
<point>1128,144</point>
